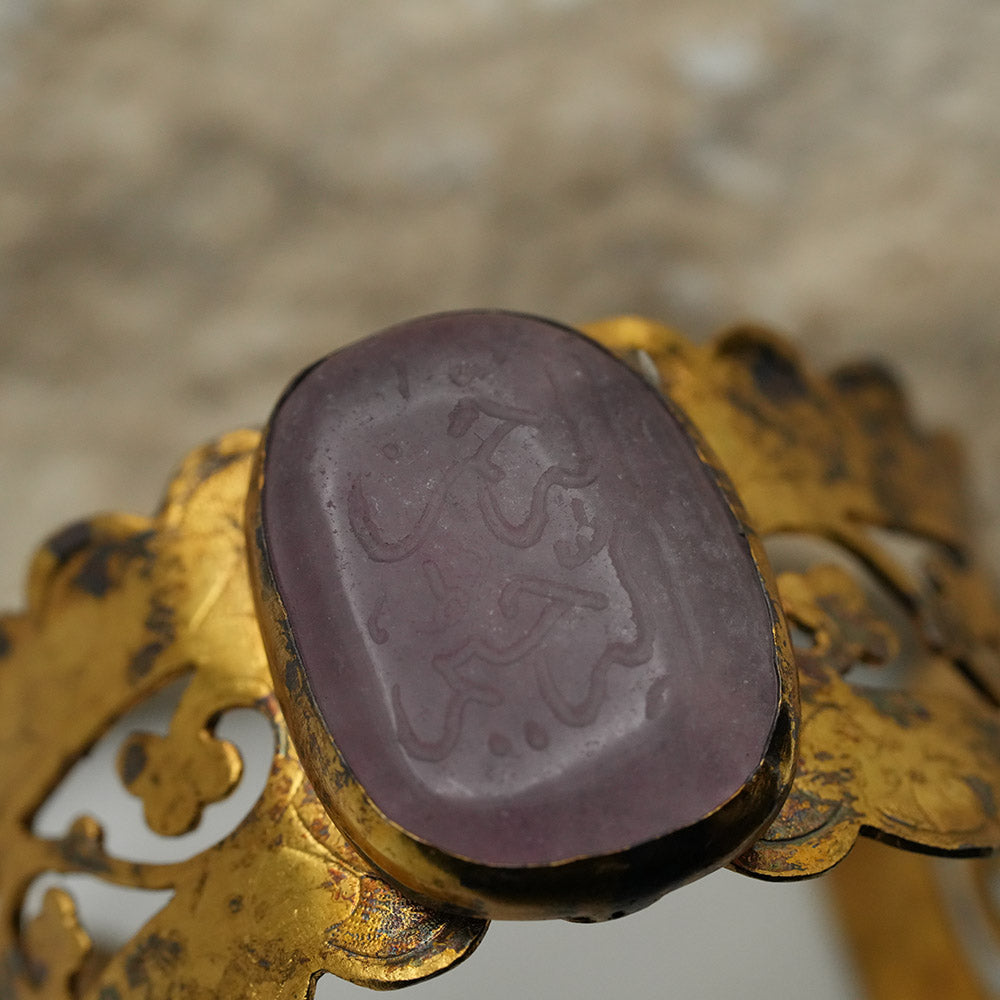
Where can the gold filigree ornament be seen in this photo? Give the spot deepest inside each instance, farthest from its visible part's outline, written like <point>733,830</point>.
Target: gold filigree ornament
<point>893,733</point>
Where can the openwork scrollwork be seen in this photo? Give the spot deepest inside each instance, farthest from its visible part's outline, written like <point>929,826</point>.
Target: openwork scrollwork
<point>839,459</point>
<point>119,607</point>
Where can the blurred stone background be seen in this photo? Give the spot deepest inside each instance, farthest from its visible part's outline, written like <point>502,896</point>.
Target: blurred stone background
<point>197,199</point>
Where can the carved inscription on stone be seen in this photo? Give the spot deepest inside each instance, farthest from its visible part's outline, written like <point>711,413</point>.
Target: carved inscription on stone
<point>507,561</point>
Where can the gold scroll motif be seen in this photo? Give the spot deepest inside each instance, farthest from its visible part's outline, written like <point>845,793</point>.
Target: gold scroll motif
<point>117,608</point>
<point>120,606</point>
<point>839,459</point>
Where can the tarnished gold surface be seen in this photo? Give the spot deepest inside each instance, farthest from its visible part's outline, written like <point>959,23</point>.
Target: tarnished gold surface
<point>839,459</point>
<point>120,606</point>
<point>117,608</point>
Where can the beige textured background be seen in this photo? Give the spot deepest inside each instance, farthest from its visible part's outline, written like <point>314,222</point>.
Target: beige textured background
<point>197,199</point>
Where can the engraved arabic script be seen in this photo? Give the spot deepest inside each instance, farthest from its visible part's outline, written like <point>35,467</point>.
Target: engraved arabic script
<point>581,567</point>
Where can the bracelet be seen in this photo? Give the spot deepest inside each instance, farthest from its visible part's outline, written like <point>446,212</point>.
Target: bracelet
<point>545,623</point>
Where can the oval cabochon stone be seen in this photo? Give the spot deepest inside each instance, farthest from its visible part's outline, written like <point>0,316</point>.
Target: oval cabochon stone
<point>524,609</point>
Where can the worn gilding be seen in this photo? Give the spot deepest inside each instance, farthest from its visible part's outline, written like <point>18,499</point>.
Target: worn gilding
<point>117,608</point>
<point>914,758</point>
<point>120,606</point>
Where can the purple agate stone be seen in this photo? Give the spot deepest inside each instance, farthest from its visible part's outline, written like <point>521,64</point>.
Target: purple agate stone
<point>525,611</point>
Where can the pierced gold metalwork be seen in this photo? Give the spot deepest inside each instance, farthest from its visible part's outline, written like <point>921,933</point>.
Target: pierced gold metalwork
<point>840,459</point>
<point>120,606</point>
<point>117,608</point>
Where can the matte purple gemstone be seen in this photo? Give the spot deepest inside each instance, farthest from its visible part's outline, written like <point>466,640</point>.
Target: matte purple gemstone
<point>525,610</point>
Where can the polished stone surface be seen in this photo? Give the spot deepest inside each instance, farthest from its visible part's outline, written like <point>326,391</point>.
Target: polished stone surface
<point>524,608</point>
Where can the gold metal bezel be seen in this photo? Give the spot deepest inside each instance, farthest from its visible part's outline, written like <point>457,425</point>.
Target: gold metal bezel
<point>586,888</point>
